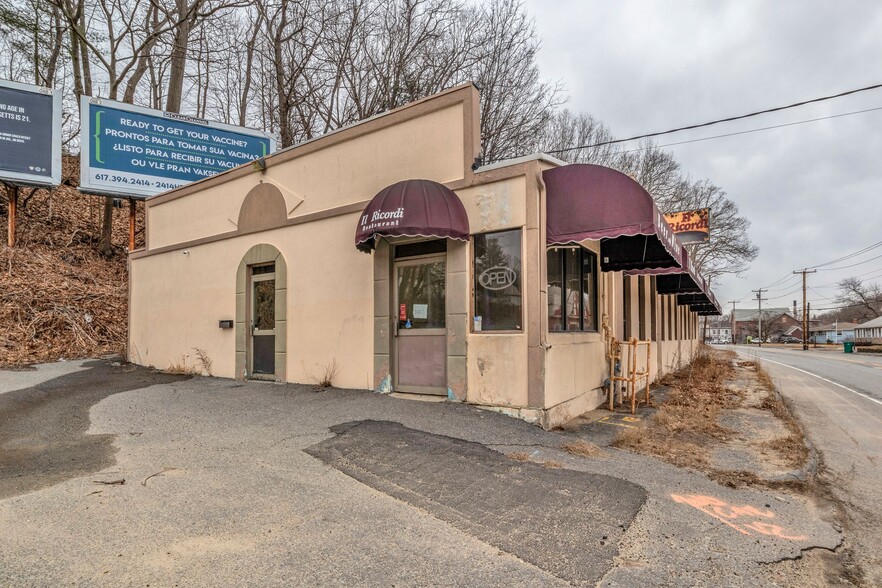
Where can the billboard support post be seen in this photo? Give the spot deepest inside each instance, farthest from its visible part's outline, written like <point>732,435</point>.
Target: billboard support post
<point>13,206</point>
<point>131,224</point>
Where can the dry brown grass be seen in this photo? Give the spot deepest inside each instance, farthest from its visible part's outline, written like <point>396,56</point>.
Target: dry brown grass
<point>552,464</point>
<point>735,479</point>
<point>582,448</point>
<point>326,374</point>
<point>687,422</point>
<point>685,429</point>
<point>519,456</point>
<point>59,297</point>
<point>181,366</point>
<point>203,361</point>
<point>792,447</point>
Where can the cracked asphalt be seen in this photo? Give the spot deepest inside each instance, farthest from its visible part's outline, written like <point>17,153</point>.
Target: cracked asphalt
<point>256,484</point>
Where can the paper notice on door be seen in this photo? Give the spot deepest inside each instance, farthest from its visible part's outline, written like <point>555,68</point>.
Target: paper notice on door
<point>420,311</point>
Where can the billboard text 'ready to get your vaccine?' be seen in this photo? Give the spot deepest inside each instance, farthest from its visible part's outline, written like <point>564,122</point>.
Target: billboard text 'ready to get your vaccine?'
<point>131,151</point>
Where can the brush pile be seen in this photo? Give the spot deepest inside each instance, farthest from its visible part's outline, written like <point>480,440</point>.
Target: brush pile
<point>59,298</point>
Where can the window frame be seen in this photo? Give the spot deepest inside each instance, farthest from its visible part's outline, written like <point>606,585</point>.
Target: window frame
<point>473,304</point>
<point>583,251</point>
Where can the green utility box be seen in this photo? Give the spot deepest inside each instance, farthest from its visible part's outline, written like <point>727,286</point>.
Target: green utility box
<point>849,346</point>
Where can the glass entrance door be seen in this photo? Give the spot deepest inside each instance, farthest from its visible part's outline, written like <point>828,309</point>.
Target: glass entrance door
<point>263,321</point>
<point>421,325</point>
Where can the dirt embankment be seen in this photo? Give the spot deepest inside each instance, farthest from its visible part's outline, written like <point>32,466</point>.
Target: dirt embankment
<point>59,298</point>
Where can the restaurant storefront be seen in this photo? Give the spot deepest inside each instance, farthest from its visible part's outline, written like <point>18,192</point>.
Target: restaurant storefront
<point>498,285</point>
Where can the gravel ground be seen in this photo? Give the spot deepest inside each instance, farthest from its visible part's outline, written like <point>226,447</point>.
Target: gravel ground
<point>219,491</point>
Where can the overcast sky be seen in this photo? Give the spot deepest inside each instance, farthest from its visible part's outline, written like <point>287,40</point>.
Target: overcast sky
<point>811,191</point>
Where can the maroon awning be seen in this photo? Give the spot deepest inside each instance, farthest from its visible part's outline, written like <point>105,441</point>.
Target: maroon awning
<point>702,303</point>
<point>593,202</point>
<point>675,280</point>
<point>412,208</point>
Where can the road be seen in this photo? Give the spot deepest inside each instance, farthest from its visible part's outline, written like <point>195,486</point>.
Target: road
<point>838,398</point>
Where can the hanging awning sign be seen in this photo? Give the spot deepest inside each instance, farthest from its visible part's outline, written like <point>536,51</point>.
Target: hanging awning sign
<point>691,226</point>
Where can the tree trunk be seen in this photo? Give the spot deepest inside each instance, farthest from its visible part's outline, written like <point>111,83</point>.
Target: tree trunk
<point>178,58</point>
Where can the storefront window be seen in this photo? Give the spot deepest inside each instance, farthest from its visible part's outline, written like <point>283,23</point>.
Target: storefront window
<point>498,298</point>
<point>572,289</point>
<point>421,295</point>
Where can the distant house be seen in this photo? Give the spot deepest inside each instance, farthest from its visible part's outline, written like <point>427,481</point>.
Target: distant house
<point>777,323</point>
<point>869,332</point>
<point>718,331</point>
<point>833,332</point>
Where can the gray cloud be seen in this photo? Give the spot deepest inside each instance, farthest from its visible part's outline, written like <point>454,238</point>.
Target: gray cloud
<point>811,191</point>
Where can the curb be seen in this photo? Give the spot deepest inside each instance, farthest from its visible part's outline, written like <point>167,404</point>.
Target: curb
<point>813,461</point>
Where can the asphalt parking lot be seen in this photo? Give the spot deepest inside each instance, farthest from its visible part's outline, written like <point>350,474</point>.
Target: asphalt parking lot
<point>161,480</point>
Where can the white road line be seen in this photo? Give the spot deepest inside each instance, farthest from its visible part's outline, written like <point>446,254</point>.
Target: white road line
<point>870,398</point>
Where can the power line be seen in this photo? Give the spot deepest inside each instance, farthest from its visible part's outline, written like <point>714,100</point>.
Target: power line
<point>794,291</point>
<point>821,295</point>
<point>830,269</point>
<point>799,122</point>
<point>849,256</point>
<point>871,301</point>
<point>790,285</point>
<point>781,288</point>
<point>865,275</point>
<point>721,120</point>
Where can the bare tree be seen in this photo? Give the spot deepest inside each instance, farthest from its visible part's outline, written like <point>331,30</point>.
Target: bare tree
<point>516,106</point>
<point>577,132</point>
<point>860,301</point>
<point>729,250</point>
<point>301,68</point>
<point>33,38</point>
<point>120,36</point>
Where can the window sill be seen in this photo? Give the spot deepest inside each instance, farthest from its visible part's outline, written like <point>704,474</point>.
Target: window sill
<point>473,332</point>
<point>574,337</point>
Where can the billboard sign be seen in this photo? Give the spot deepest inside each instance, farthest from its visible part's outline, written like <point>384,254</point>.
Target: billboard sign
<point>137,152</point>
<point>30,134</point>
<point>691,226</point>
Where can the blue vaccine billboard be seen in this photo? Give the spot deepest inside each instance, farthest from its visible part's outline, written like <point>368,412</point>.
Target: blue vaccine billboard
<point>137,152</point>
<point>30,134</point>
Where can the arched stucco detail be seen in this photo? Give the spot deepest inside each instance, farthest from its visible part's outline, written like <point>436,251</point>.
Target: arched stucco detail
<point>260,254</point>
<point>263,208</point>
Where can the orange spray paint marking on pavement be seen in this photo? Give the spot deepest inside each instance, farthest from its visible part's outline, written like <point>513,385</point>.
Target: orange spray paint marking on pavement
<point>727,514</point>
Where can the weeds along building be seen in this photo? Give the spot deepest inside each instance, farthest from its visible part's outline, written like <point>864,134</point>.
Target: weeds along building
<point>381,257</point>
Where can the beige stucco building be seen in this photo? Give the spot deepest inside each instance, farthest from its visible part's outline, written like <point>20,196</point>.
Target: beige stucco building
<point>475,282</point>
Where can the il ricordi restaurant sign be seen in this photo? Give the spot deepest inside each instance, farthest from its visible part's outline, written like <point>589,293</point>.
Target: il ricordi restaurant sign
<point>691,226</point>
<point>132,151</point>
<point>381,219</point>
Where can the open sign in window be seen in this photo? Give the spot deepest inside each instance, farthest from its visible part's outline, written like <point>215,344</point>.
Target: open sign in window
<point>498,298</point>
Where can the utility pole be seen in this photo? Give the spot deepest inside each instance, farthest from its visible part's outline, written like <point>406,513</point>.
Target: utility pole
<point>808,312</point>
<point>759,318</point>
<point>732,320</point>
<point>805,322</point>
